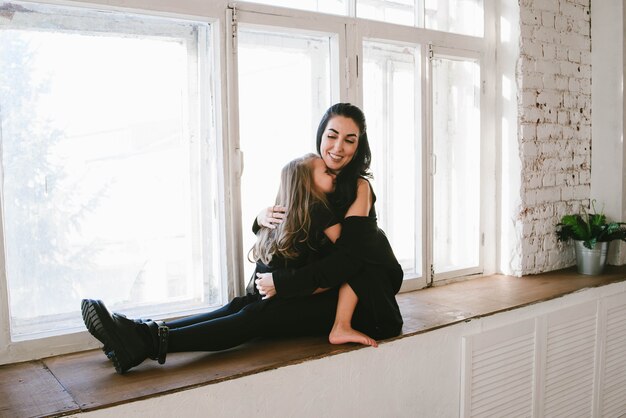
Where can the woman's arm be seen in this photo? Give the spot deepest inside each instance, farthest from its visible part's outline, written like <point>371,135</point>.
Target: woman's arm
<point>347,260</point>
<point>363,202</point>
<point>326,273</point>
<point>332,233</point>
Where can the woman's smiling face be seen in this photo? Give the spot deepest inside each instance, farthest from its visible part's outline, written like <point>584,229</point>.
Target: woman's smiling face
<point>340,141</point>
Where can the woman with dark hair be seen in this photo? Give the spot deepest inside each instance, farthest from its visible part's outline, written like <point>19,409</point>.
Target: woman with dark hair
<point>308,293</point>
<point>363,263</point>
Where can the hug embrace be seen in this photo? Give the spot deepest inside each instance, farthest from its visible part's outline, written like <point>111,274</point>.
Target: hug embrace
<point>323,267</point>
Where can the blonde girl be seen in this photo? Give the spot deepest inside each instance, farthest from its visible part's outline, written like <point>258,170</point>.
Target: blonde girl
<point>310,223</point>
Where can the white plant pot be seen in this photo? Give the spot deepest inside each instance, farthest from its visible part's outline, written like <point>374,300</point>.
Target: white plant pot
<point>592,261</point>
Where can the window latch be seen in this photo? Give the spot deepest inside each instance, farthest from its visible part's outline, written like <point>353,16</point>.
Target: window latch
<point>433,164</point>
<point>233,24</point>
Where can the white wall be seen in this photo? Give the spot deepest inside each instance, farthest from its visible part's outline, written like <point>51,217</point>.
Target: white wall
<point>417,376</point>
<point>607,159</point>
<point>554,77</point>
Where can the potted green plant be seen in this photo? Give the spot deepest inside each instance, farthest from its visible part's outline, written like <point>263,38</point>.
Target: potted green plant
<point>592,234</point>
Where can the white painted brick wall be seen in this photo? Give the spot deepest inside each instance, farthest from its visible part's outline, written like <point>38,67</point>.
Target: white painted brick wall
<point>554,119</point>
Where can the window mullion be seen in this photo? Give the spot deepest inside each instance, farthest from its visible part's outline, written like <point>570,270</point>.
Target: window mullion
<point>233,164</point>
<point>5,333</point>
<point>351,7</point>
<point>354,85</point>
<point>428,169</point>
<point>192,128</point>
<point>419,13</point>
<point>388,130</point>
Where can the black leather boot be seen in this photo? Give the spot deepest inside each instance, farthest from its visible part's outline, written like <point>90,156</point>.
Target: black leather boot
<point>95,331</point>
<point>130,342</point>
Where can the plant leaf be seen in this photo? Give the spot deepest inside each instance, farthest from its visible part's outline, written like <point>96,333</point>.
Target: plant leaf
<point>597,219</point>
<point>577,227</point>
<point>590,243</point>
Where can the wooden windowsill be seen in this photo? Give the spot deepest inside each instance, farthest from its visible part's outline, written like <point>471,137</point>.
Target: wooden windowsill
<point>86,381</point>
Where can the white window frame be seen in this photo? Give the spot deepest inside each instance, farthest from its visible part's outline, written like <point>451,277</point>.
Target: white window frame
<point>350,33</point>
<point>444,44</point>
<point>377,32</point>
<point>462,55</point>
<point>14,351</point>
<point>266,17</point>
<point>409,275</point>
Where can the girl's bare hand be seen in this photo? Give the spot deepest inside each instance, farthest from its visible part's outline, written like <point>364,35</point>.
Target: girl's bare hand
<point>271,216</point>
<point>265,284</point>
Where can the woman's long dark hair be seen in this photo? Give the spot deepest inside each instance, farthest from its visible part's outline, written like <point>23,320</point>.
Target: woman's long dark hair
<point>345,188</point>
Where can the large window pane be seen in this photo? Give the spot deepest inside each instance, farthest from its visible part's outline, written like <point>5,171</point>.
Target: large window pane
<point>391,104</point>
<point>101,175</point>
<point>284,89</point>
<point>456,144</point>
<point>459,16</point>
<point>402,12</point>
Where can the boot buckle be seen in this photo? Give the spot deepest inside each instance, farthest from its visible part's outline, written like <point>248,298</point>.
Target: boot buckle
<point>163,335</point>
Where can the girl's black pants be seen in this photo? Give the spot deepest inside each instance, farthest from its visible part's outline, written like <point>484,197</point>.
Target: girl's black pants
<point>248,317</point>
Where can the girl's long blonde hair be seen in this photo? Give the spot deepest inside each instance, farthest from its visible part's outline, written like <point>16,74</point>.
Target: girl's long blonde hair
<point>298,194</point>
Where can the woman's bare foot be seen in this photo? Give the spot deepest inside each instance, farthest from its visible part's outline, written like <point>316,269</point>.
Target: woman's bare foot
<point>346,334</point>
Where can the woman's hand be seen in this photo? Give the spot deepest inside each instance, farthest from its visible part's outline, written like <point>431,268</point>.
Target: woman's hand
<point>271,216</point>
<point>265,284</point>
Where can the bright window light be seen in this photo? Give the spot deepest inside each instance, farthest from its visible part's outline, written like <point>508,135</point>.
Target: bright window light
<point>284,89</point>
<point>456,144</point>
<point>391,90</point>
<point>101,172</point>
<point>458,16</point>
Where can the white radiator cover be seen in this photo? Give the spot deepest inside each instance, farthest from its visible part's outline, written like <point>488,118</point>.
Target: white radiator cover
<point>567,363</point>
<point>502,372</point>
<point>613,360</point>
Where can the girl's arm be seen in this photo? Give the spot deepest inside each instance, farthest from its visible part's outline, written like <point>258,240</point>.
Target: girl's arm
<point>332,233</point>
<point>265,281</point>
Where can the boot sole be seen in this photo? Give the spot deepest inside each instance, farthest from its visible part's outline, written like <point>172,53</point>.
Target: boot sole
<point>100,325</point>
<point>97,332</point>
